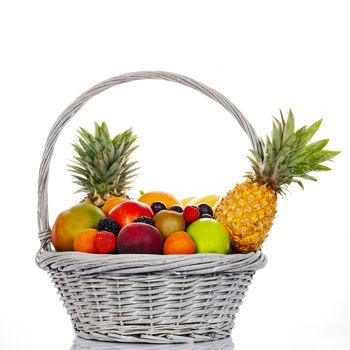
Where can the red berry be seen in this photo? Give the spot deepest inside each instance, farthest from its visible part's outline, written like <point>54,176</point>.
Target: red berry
<point>191,214</point>
<point>105,242</point>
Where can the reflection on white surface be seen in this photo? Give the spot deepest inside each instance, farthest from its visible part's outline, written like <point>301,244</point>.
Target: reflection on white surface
<point>83,344</point>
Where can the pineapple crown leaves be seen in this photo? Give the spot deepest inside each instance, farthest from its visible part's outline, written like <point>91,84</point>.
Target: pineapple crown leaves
<point>102,164</point>
<point>288,155</point>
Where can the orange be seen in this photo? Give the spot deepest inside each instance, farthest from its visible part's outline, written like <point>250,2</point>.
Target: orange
<point>179,243</point>
<point>111,203</point>
<point>84,242</point>
<point>159,196</point>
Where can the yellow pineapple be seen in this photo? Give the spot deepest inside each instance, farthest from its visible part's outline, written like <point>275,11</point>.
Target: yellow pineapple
<point>249,209</point>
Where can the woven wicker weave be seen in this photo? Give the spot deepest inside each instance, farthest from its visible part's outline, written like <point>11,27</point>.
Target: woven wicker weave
<point>83,344</point>
<point>146,298</point>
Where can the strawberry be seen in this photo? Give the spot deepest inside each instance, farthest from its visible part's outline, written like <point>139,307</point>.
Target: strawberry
<point>191,213</point>
<point>105,242</point>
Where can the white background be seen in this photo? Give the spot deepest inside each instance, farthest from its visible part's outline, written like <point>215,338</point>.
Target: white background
<point>263,55</point>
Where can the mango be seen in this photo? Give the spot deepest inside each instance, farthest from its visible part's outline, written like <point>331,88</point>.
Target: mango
<point>70,222</point>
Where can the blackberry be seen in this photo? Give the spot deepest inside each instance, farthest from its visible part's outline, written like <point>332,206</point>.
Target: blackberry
<point>108,224</point>
<point>145,220</point>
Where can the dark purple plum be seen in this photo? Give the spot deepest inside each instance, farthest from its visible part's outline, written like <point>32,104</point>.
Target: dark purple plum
<point>205,208</point>
<point>176,208</point>
<point>157,206</point>
<point>206,216</point>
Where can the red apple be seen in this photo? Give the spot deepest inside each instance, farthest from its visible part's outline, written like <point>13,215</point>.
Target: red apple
<point>139,238</point>
<point>126,212</point>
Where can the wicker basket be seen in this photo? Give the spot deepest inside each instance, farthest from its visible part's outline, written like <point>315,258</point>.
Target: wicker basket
<point>146,298</point>
<point>83,344</point>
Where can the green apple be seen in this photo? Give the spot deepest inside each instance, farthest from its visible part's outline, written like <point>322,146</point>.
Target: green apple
<point>210,236</point>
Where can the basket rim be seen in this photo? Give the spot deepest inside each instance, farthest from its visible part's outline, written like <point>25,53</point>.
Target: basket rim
<point>191,264</point>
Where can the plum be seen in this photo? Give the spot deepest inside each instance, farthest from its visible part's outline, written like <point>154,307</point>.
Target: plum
<point>139,238</point>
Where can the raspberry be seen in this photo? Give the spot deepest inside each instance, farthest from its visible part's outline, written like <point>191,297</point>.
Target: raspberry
<point>191,214</point>
<point>105,242</point>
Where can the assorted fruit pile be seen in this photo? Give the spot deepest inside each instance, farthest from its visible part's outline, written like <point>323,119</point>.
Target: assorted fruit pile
<point>127,226</point>
<point>108,221</point>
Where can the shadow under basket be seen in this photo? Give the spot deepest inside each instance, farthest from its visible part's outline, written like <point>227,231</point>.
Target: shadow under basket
<point>146,298</point>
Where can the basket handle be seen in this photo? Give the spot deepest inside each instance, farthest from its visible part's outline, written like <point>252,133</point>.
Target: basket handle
<point>73,108</point>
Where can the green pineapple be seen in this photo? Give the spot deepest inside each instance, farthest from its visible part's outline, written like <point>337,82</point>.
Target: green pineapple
<point>102,167</point>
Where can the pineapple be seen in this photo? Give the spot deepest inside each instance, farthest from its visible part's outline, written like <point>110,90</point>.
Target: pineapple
<point>102,166</point>
<point>249,209</point>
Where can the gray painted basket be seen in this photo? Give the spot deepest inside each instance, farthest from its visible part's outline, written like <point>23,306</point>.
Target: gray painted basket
<point>146,298</point>
<point>83,344</point>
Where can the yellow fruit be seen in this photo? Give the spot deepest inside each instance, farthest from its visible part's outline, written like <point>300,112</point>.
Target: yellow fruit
<point>159,196</point>
<point>70,222</point>
<point>247,212</point>
<point>216,205</point>
<point>210,199</point>
<point>185,201</point>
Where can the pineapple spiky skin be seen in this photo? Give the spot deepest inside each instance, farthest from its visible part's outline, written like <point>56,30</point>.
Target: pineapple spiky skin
<point>249,209</point>
<point>247,212</point>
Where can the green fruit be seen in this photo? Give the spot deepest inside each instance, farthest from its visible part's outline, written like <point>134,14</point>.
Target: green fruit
<point>168,222</point>
<point>210,236</point>
<point>70,222</point>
